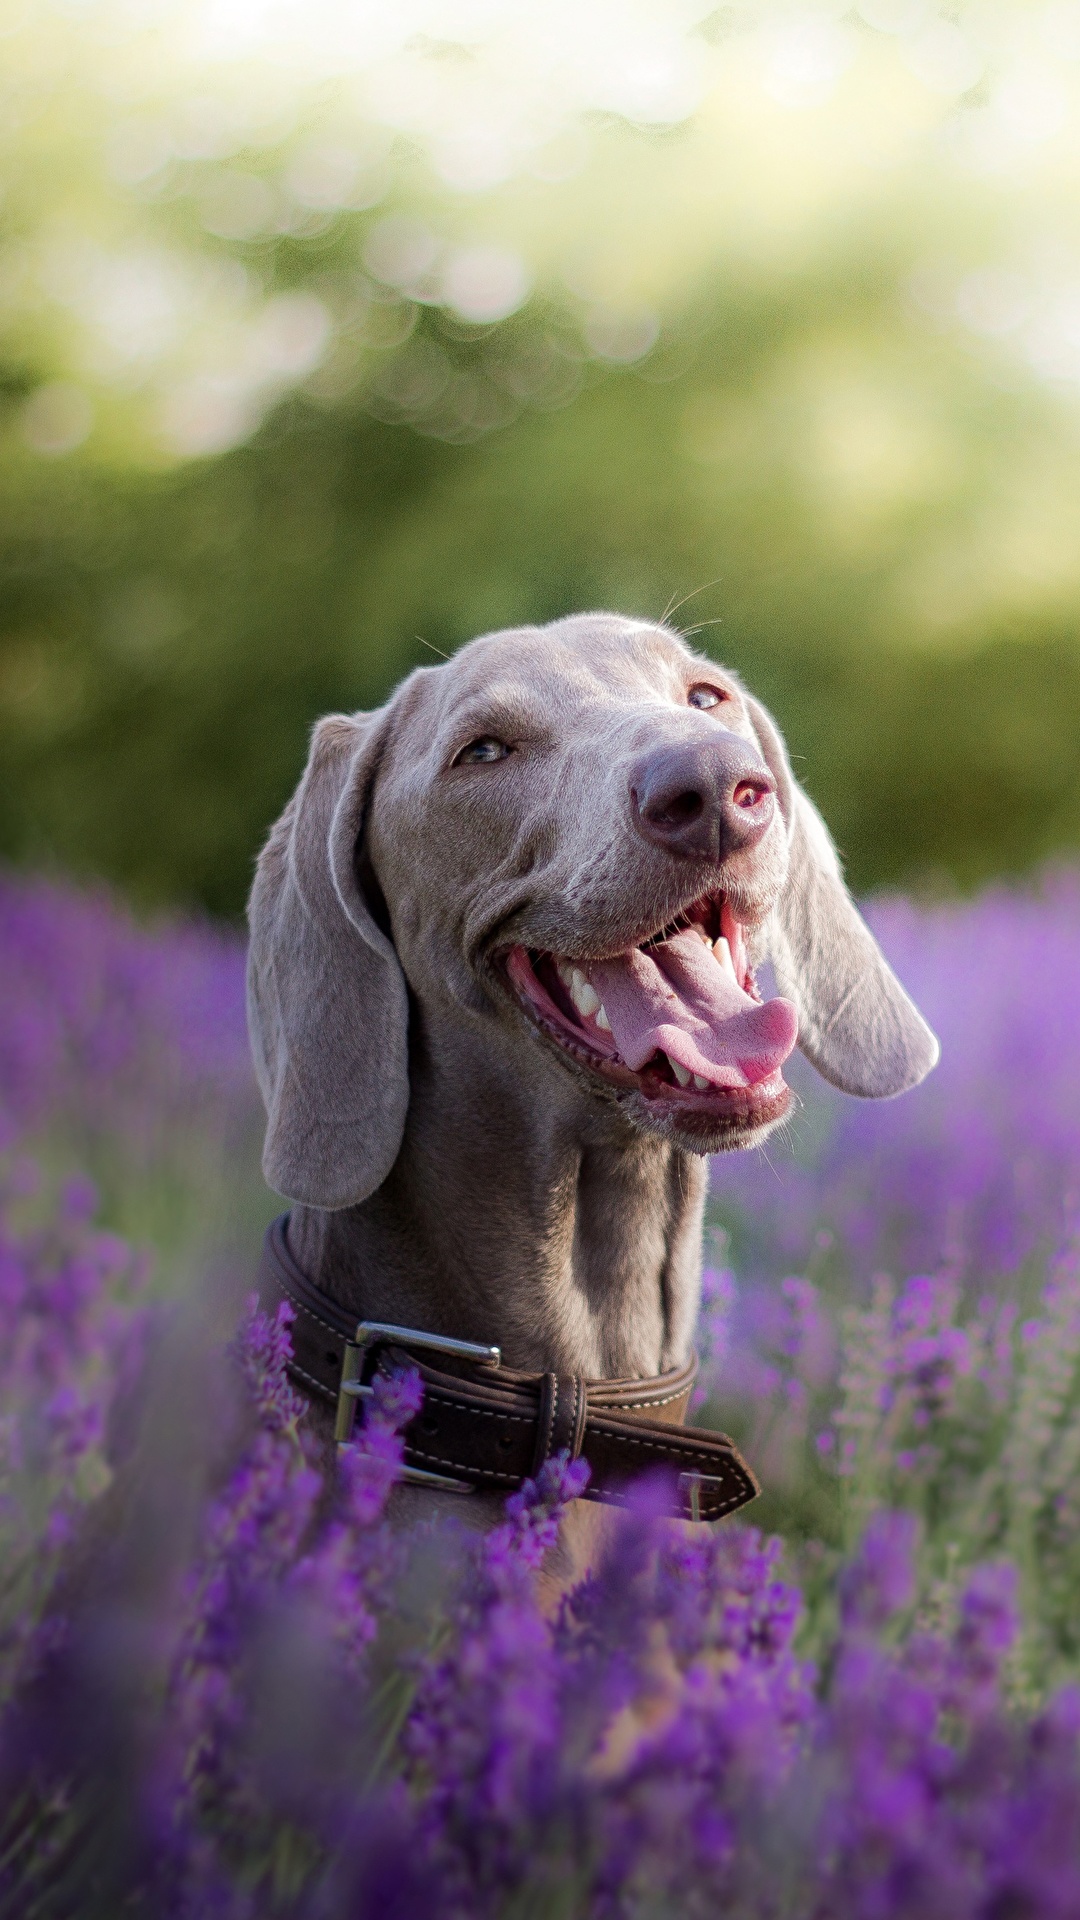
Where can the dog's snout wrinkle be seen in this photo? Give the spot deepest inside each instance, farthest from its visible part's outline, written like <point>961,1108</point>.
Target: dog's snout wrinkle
<point>703,799</point>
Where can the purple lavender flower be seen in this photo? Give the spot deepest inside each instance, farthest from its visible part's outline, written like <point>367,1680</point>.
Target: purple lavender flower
<point>304,1711</point>
<point>266,1568</point>
<point>123,1051</point>
<point>986,1628</point>
<point>931,1353</point>
<point>977,1166</point>
<point>263,1349</point>
<point>73,1334</point>
<point>880,1580</point>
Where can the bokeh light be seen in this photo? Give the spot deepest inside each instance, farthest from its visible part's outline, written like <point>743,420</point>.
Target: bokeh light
<point>604,302</point>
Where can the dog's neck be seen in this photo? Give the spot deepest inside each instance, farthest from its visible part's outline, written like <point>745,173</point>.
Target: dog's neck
<point>533,1216</point>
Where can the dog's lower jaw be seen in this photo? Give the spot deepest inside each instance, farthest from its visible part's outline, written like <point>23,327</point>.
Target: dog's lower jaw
<point>687,1121</point>
<point>702,995</point>
<point>703,1134</point>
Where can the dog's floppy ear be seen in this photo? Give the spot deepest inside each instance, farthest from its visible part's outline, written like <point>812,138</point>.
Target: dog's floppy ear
<point>327,1001</point>
<point>856,1023</point>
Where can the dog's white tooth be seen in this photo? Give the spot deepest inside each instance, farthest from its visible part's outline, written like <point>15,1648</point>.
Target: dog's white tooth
<point>681,1073</point>
<point>565,972</point>
<point>602,1020</point>
<point>700,1082</point>
<point>585,998</point>
<point>723,955</point>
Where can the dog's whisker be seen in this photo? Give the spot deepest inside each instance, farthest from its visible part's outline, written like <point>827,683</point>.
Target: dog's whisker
<point>673,606</point>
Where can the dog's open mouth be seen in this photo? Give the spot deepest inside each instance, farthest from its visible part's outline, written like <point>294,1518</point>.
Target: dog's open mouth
<point>678,1017</point>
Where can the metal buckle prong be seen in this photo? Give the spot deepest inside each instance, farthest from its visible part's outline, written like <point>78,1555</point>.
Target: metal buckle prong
<point>420,1477</point>
<point>348,1391</point>
<point>352,1388</point>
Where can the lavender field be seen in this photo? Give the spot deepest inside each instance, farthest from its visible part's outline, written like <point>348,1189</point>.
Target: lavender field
<point>227,1689</point>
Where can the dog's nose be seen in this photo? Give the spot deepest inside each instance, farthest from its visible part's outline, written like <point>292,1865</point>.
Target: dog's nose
<point>704,799</point>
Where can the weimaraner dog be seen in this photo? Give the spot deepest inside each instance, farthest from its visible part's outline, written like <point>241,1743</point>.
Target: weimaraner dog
<point>503,998</point>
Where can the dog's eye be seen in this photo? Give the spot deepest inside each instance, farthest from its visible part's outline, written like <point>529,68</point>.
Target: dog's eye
<point>483,752</point>
<point>703,697</point>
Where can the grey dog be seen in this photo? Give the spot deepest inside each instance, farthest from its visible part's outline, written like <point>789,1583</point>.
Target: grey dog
<point>503,997</point>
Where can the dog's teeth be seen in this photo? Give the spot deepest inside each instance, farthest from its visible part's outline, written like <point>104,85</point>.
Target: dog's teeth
<point>700,1082</point>
<point>585,998</point>
<point>723,954</point>
<point>565,972</point>
<point>681,1074</point>
<point>602,1021</point>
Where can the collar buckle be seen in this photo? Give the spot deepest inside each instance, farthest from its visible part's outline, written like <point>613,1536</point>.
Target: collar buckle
<point>376,1333</point>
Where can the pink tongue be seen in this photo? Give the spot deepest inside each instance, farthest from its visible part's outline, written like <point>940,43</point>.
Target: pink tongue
<point>678,999</point>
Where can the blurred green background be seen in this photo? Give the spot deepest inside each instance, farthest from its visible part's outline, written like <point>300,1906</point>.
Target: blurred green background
<point>333,332</point>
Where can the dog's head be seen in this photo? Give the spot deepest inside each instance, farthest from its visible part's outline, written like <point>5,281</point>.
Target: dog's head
<point>583,836</point>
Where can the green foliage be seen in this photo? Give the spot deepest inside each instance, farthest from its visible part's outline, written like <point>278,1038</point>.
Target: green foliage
<point>168,640</point>
<point>964,1410</point>
<point>794,360</point>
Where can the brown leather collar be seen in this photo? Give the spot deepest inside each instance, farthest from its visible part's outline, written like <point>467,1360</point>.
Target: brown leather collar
<point>490,1426</point>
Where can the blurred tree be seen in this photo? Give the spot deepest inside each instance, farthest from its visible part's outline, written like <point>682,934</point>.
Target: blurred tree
<point>291,386</point>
